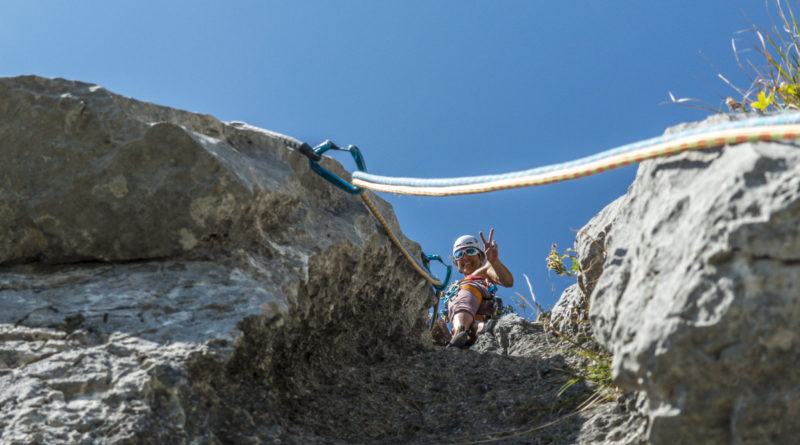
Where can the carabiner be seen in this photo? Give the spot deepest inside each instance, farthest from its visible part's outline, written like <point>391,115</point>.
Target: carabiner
<point>426,261</point>
<point>333,179</point>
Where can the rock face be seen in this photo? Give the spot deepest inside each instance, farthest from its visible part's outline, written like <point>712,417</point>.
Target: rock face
<point>695,289</point>
<point>169,278</point>
<point>570,315</point>
<point>513,375</point>
<point>149,254</point>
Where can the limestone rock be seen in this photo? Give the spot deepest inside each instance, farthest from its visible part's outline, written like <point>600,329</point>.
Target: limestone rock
<point>698,295</point>
<point>93,176</point>
<point>620,420</point>
<point>143,250</point>
<point>590,247</point>
<point>570,315</point>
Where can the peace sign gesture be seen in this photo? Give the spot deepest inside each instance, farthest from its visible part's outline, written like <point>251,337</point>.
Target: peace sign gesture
<point>490,247</point>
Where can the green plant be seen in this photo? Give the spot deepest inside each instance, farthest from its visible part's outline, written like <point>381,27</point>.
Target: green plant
<point>597,371</point>
<point>776,80</point>
<point>506,309</point>
<point>763,103</point>
<point>774,72</point>
<point>555,262</point>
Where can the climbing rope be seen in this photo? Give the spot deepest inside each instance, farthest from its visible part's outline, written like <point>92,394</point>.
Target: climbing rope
<point>772,128</point>
<point>435,282</point>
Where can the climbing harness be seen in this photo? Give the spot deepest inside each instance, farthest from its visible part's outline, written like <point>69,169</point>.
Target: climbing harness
<point>315,155</point>
<point>483,290</point>
<point>771,128</point>
<point>489,304</point>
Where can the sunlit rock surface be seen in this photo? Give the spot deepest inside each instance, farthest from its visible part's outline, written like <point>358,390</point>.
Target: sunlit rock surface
<point>169,278</point>
<point>145,250</point>
<point>695,289</point>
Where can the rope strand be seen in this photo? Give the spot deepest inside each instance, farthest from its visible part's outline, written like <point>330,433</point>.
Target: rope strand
<point>773,128</point>
<point>414,263</point>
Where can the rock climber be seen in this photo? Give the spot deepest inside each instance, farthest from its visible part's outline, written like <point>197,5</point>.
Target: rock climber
<point>481,267</point>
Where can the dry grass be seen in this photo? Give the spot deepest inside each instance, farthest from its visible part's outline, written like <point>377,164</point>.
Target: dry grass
<point>770,59</point>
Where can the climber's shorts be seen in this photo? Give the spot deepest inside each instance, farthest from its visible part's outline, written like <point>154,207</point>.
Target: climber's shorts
<point>463,301</point>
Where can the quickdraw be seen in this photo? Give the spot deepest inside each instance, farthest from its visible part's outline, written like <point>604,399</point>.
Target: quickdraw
<point>438,290</point>
<point>315,155</point>
<point>313,162</point>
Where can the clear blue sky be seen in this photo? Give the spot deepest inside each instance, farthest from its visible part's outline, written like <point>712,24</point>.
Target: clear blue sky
<point>424,88</point>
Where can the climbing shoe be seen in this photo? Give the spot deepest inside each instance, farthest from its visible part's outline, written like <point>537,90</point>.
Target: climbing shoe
<point>472,337</point>
<point>459,341</point>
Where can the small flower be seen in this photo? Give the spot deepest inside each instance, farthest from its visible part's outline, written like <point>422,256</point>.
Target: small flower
<point>763,102</point>
<point>733,105</point>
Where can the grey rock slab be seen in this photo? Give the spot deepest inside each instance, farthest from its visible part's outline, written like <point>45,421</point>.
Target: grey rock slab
<point>137,245</point>
<point>697,297</point>
<point>570,315</point>
<point>80,393</point>
<point>621,419</point>
<point>94,176</point>
<point>165,302</point>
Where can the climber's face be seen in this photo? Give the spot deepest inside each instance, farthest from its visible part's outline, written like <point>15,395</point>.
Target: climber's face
<point>469,263</point>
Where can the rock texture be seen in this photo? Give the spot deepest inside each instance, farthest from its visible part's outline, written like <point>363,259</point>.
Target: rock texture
<point>148,257</point>
<point>695,286</point>
<point>570,315</point>
<point>504,390</point>
<point>169,278</point>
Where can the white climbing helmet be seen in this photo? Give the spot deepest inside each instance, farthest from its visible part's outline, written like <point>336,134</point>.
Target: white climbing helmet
<point>467,241</point>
